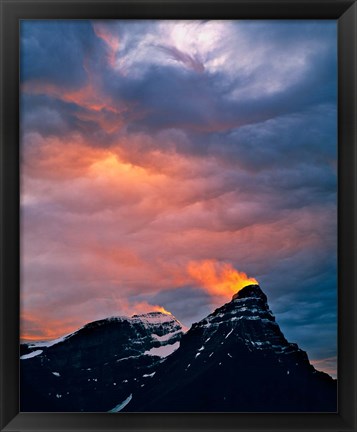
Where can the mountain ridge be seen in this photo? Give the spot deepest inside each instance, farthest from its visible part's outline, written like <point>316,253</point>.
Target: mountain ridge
<point>238,360</point>
<point>105,358</point>
<point>234,360</point>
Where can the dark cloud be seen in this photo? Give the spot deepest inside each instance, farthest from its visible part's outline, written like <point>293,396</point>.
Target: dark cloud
<point>199,105</point>
<point>284,141</point>
<point>176,302</point>
<point>204,103</point>
<point>46,115</point>
<point>55,51</point>
<point>192,62</point>
<point>146,146</point>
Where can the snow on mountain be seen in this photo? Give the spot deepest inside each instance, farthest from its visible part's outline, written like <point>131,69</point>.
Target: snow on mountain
<point>31,355</point>
<point>234,360</point>
<point>163,351</point>
<point>167,336</point>
<point>166,324</point>
<point>98,364</point>
<point>48,343</point>
<point>122,405</point>
<point>237,359</point>
<point>248,315</point>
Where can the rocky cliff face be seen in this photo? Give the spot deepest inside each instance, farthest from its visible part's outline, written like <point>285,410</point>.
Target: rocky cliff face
<point>234,360</point>
<point>238,360</point>
<point>94,367</point>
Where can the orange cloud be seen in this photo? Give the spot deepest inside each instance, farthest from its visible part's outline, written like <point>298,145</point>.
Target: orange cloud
<point>109,121</point>
<point>58,159</point>
<point>122,256</point>
<point>112,41</point>
<point>87,96</point>
<point>35,328</point>
<point>218,279</point>
<point>131,222</point>
<point>40,328</point>
<point>144,307</point>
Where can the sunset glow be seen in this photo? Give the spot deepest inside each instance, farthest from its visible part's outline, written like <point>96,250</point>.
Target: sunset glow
<point>162,310</point>
<point>219,279</point>
<point>165,165</point>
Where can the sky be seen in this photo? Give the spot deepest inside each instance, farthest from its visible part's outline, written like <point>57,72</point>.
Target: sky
<point>165,164</point>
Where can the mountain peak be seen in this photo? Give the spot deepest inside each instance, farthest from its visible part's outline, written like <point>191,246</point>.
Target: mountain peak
<point>153,314</point>
<point>250,291</point>
<point>154,317</point>
<point>240,353</point>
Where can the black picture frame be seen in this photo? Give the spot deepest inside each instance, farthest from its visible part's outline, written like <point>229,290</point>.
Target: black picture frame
<point>12,11</point>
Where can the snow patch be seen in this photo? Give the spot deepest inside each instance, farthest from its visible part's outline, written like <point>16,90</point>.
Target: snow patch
<point>122,405</point>
<point>197,355</point>
<point>49,343</point>
<point>229,334</point>
<point>209,323</point>
<point>56,374</point>
<point>243,299</point>
<point>126,358</point>
<point>31,355</point>
<point>154,318</point>
<point>149,375</point>
<point>163,351</point>
<point>166,337</point>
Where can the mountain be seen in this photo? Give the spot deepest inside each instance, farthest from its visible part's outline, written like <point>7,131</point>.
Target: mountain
<point>234,360</point>
<point>237,360</point>
<point>95,367</point>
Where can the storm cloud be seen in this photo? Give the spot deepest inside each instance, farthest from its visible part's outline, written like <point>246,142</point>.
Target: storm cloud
<point>150,145</point>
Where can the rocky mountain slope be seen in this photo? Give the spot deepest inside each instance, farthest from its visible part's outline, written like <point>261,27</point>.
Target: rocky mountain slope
<point>237,359</point>
<point>234,360</point>
<point>94,367</point>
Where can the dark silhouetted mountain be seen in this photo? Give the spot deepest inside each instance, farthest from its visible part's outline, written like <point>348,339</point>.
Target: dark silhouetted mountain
<point>234,360</point>
<point>98,365</point>
<point>237,360</point>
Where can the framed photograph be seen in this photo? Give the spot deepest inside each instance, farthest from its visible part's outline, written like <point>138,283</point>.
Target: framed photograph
<point>178,204</point>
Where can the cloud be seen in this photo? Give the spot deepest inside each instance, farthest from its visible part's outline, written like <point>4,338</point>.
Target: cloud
<point>60,324</point>
<point>328,365</point>
<point>192,62</point>
<point>219,279</point>
<point>55,51</point>
<point>170,146</point>
<point>110,38</point>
